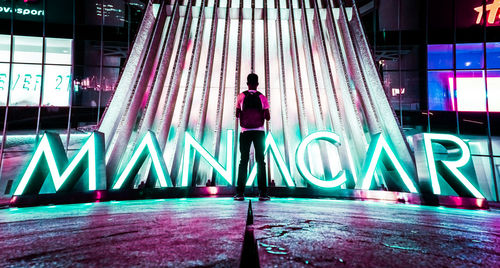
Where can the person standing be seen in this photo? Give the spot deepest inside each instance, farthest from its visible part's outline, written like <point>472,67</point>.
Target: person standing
<point>252,109</point>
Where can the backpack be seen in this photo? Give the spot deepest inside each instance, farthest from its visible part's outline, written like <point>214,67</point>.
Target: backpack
<point>252,114</point>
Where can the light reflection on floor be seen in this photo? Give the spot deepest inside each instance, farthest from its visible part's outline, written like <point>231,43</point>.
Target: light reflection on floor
<point>209,231</point>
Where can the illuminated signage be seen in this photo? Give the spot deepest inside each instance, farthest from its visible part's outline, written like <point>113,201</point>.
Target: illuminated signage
<point>433,168</point>
<point>23,8</point>
<point>337,180</point>
<point>373,157</point>
<point>455,167</point>
<point>492,12</point>
<point>148,146</point>
<point>397,91</point>
<point>22,11</point>
<point>26,85</point>
<point>50,159</point>
<point>278,158</point>
<point>227,173</point>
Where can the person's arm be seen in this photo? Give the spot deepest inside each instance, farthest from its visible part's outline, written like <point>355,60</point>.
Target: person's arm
<point>265,107</point>
<point>267,115</point>
<point>239,101</point>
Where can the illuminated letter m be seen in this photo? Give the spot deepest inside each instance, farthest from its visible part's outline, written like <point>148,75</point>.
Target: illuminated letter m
<point>50,158</point>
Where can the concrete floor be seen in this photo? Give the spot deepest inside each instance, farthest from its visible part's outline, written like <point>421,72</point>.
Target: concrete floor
<point>209,232</point>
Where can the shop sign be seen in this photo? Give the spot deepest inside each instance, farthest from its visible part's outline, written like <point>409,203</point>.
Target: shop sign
<point>492,11</point>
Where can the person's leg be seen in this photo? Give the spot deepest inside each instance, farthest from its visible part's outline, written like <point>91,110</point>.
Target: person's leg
<point>245,143</point>
<point>259,140</point>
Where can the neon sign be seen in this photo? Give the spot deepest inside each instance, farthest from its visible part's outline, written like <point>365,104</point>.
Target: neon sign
<point>374,155</point>
<point>492,10</point>
<point>278,158</point>
<point>338,179</point>
<point>433,169</point>
<point>227,173</point>
<point>433,165</point>
<point>50,158</point>
<point>148,146</point>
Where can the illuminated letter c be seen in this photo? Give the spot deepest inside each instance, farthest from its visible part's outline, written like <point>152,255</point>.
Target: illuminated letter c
<point>301,164</point>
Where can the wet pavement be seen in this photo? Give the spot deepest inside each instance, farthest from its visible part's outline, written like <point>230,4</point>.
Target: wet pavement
<point>296,233</point>
<point>209,232</point>
<point>171,232</point>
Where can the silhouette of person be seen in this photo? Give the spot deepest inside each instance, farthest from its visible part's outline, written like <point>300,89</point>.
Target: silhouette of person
<point>252,109</point>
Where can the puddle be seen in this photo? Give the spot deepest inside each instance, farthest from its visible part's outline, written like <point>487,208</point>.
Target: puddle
<point>272,249</point>
<point>399,247</point>
<point>264,227</point>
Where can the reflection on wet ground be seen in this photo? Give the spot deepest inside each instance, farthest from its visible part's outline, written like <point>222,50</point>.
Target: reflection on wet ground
<point>209,232</point>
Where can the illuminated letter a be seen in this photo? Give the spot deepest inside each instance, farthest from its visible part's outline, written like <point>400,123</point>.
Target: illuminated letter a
<point>375,153</point>
<point>148,146</point>
<point>285,172</point>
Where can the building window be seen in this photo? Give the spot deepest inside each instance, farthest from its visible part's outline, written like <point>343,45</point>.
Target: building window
<point>25,83</point>
<point>463,90</point>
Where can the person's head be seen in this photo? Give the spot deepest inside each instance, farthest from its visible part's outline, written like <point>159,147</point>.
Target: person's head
<point>252,81</point>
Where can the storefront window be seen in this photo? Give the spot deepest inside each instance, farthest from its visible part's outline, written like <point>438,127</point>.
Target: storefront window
<point>440,94</point>
<point>470,91</point>
<point>56,85</point>
<point>26,81</point>
<point>470,56</point>
<point>4,82</point>
<point>25,85</point>
<point>28,49</point>
<point>493,55</point>
<point>440,57</point>
<point>58,51</point>
<point>4,48</point>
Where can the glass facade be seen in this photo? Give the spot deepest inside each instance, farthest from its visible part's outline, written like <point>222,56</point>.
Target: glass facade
<point>439,61</point>
<point>470,93</point>
<point>60,61</point>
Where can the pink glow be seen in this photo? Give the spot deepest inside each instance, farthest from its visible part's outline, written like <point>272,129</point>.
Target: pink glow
<point>98,196</point>
<point>457,201</point>
<point>212,190</point>
<point>378,195</point>
<point>471,94</point>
